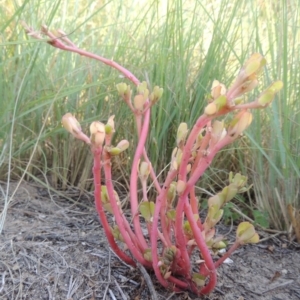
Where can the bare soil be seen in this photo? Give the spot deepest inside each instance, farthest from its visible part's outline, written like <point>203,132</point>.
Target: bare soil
<point>52,248</point>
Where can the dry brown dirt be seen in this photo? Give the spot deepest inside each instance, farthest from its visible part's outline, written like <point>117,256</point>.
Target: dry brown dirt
<point>52,248</point>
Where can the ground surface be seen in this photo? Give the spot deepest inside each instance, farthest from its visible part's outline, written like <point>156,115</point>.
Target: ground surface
<point>51,248</point>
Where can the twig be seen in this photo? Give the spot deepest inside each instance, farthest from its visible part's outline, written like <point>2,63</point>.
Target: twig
<point>279,285</point>
<point>105,292</point>
<point>49,292</point>
<point>122,261</point>
<point>257,225</point>
<point>112,294</point>
<point>270,237</point>
<point>127,279</point>
<point>109,273</point>
<point>219,291</point>
<point>173,294</point>
<point>148,281</point>
<point>3,281</point>
<point>120,290</point>
<point>72,287</point>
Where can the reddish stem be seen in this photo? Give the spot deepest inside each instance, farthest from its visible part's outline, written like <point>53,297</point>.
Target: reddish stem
<point>134,179</point>
<point>179,234</point>
<point>194,206</point>
<point>179,283</point>
<point>227,254</point>
<point>130,239</point>
<point>154,232</point>
<point>201,122</point>
<point>152,173</point>
<point>207,160</point>
<point>203,165</point>
<point>100,210</point>
<point>55,42</point>
<point>204,251</point>
<point>163,198</point>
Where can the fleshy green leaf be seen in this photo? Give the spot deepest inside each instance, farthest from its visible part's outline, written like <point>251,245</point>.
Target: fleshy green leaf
<point>199,279</point>
<point>171,214</point>
<point>107,207</point>
<point>147,209</point>
<point>246,234</point>
<point>147,254</point>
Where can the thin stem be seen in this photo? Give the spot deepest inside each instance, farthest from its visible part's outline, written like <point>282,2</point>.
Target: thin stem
<point>165,223</point>
<point>194,206</point>
<point>130,239</point>
<point>154,232</point>
<point>55,42</point>
<point>134,179</point>
<point>201,122</point>
<point>206,160</point>
<point>100,210</point>
<point>227,254</point>
<point>204,250</point>
<point>152,173</point>
<point>179,234</point>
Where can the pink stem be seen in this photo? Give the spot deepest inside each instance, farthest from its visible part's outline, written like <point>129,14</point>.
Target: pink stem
<point>179,283</point>
<point>144,189</point>
<point>204,251</point>
<point>139,128</point>
<point>180,238</point>
<point>152,173</point>
<point>179,234</point>
<point>154,232</point>
<point>134,180</point>
<point>227,254</point>
<point>201,122</point>
<point>100,210</point>
<point>163,218</point>
<point>194,206</point>
<point>162,238</point>
<point>55,42</point>
<point>205,163</point>
<point>207,160</point>
<point>125,230</point>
